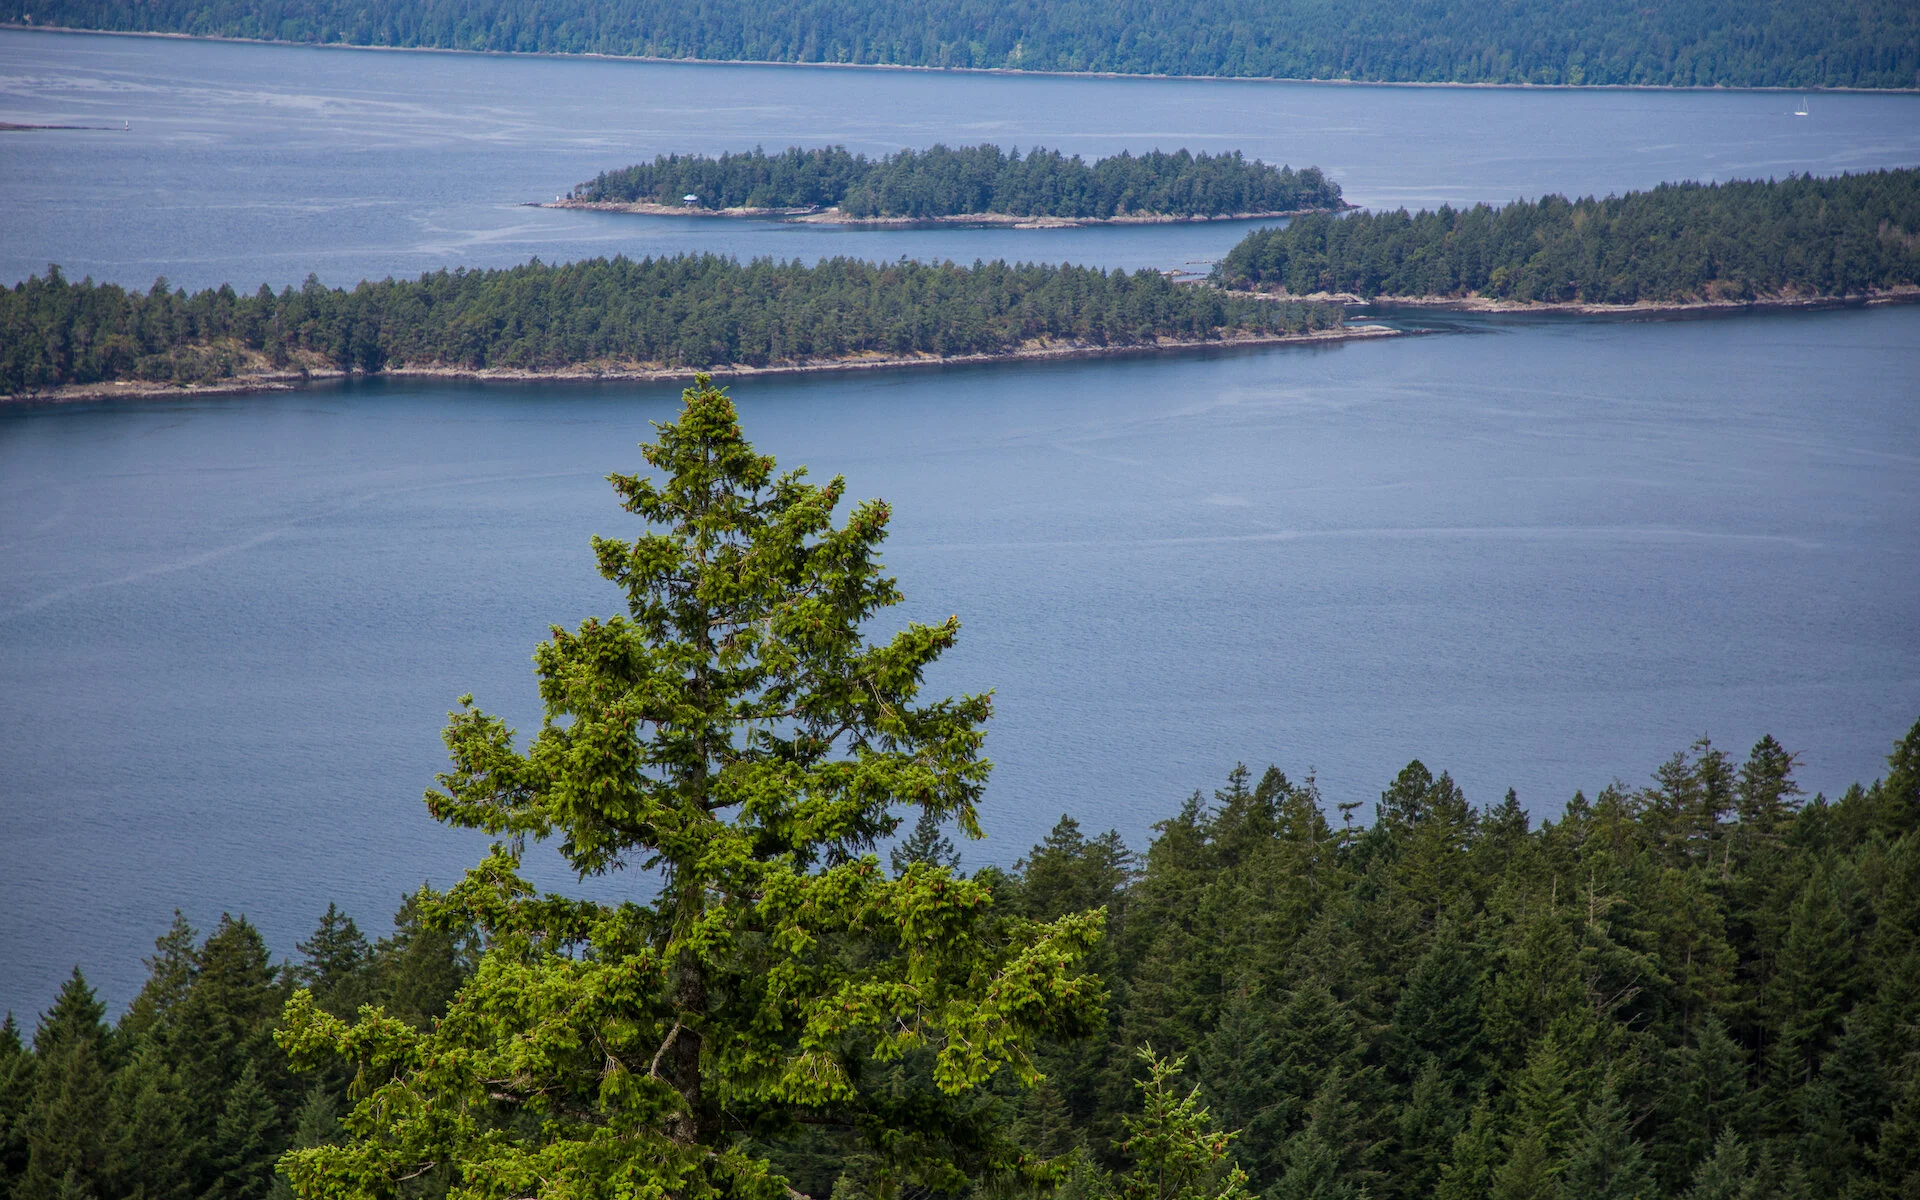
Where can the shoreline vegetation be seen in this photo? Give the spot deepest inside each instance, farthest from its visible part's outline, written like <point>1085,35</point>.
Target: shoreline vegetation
<point>652,318</point>
<point>1782,243</point>
<point>596,56</point>
<point>834,215</point>
<point>1678,251</point>
<point>286,380</point>
<point>965,184</point>
<point>1868,44</point>
<point>1384,305</point>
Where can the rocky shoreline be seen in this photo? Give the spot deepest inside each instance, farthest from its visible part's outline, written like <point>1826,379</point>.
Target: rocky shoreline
<point>283,381</point>
<point>1904,294</point>
<point>833,216</point>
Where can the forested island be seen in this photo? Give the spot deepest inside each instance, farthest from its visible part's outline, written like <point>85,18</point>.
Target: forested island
<point>1785,240</point>
<point>1704,987</point>
<point>617,318</point>
<point>1687,43</point>
<point>968,182</point>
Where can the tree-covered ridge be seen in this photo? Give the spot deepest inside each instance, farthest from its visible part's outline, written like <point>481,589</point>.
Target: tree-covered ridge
<point>1687,43</point>
<point>1798,236</point>
<point>1705,987</point>
<point>942,182</point>
<point>680,312</point>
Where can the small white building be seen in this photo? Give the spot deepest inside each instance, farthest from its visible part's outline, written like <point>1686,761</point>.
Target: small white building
<point>689,198</point>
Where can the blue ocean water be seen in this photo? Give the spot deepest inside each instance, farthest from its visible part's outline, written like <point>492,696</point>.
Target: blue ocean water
<point>1535,553</point>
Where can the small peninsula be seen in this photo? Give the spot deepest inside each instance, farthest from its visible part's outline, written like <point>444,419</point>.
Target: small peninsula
<point>980,185</point>
<point>1790,243</point>
<point>617,319</point>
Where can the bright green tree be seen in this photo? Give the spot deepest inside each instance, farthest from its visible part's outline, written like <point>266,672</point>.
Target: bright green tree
<point>735,733</point>
<point>1174,1150</point>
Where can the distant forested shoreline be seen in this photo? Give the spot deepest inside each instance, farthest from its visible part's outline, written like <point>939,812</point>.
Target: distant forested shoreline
<point>1706,987</point>
<point>1687,43</point>
<point>615,314</point>
<point>1849,235</point>
<point>947,181</point>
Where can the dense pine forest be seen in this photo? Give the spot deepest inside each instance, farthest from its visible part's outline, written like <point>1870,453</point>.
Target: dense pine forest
<point>1795,237</point>
<point>941,182</point>
<point>688,311</point>
<point>1688,43</point>
<point>1706,987</point>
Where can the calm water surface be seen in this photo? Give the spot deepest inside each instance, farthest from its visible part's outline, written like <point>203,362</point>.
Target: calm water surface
<point>247,164</point>
<point>1538,554</point>
<point>1541,555</point>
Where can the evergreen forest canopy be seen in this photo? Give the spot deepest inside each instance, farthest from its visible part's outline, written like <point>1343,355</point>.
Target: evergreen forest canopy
<point>1686,43</point>
<point>1705,987</point>
<point>944,182</point>
<point>1795,237</point>
<point>682,312</point>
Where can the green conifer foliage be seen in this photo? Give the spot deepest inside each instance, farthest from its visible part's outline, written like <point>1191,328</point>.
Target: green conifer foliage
<point>1244,1082</point>
<point>1424,1130</point>
<point>170,973</point>
<point>151,1153</point>
<point>1326,1159</point>
<point>1897,796</point>
<point>734,731</point>
<point>1705,1096</point>
<point>1530,1171</point>
<point>1474,1158</point>
<point>66,1125</point>
<point>338,966</point>
<point>1605,1161</point>
<point>419,968</point>
<point>1726,1174</point>
<point>16,1101</point>
<point>248,1139</point>
<point>1815,982</point>
<point>926,845</point>
<point>1895,1158</point>
<point>1174,1150</point>
<point>1437,1019</point>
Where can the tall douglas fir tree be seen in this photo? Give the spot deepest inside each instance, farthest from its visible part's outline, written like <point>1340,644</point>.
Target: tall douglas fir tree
<point>735,734</point>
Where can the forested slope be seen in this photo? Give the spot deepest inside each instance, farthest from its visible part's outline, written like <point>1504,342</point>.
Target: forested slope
<point>1687,43</point>
<point>1798,236</point>
<point>943,181</point>
<point>689,311</point>
<point>1705,987</point>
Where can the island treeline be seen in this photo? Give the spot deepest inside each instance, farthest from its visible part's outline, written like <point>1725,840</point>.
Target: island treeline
<point>1795,237</point>
<point>1687,43</point>
<point>1704,988</point>
<point>943,181</point>
<point>680,312</point>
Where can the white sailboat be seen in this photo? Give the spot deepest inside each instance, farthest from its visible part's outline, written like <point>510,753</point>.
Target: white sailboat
<point>1802,110</point>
